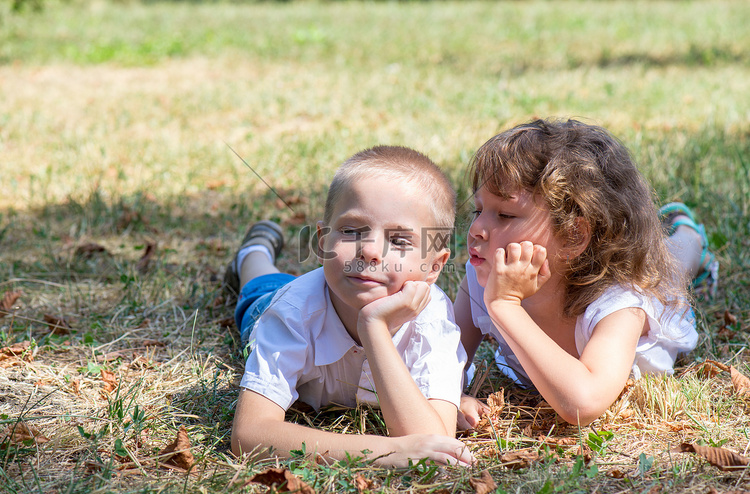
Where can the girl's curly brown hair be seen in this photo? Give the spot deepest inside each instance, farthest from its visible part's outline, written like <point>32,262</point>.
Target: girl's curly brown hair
<point>582,171</point>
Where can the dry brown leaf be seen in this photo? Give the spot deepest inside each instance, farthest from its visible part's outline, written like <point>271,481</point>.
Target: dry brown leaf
<point>109,379</point>
<point>725,333</point>
<point>363,484</point>
<point>10,355</point>
<point>145,260</point>
<point>740,382</point>
<point>496,402</point>
<point>88,250</point>
<point>729,318</point>
<point>521,458</point>
<point>558,441</point>
<point>281,480</point>
<point>156,343</point>
<point>484,484</point>
<point>722,458</point>
<point>711,368</point>
<point>57,325</point>
<point>8,301</point>
<point>19,432</point>
<point>615,473</point>
<point>178,451</point>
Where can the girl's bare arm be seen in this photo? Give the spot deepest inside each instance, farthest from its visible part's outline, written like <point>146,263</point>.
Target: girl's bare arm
<point>579,389</point>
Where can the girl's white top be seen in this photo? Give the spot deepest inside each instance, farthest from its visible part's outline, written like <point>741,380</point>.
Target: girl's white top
<point>671,331</point>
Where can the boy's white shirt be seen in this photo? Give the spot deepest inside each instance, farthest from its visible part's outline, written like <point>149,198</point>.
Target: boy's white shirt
<point>301,350</point>
<point>670,333</point>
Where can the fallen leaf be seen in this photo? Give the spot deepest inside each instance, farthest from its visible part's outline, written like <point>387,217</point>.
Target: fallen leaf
<point>521,458</point>
<point>729,319</point>
<point>484,484</point>
<point>722,458</point>
<point>558,441</point>
<point>57,325</point>
<point>156,343</point>
<point>711,368</point>
<point>725,333</point>
<point>615,473</point>
<point>110,380</point>
<point>178,451</point>
<point>281,480</point>
<point>496,402</point>
<point>363,484</point>
<point>741,383</point>
<point>19,432</point>
<point>15,354</point>
<point>145,260</point>
<point>8,301</point>
<point>88,250</point>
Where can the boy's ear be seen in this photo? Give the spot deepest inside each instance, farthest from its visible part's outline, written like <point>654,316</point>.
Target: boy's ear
<point>579,238</point>
<point>437,265</point>
<point>320,231</point>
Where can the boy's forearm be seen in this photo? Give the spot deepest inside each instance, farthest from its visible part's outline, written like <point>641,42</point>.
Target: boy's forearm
<point>405,409</point>
<point>273,438</point>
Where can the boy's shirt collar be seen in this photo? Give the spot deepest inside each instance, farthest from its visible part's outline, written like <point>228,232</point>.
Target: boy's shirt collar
<point>333,341</point>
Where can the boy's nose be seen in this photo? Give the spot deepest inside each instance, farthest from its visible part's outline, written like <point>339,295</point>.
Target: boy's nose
<point>371,249</point>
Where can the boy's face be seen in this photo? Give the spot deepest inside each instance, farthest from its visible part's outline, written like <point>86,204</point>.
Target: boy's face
<point>382,234</point>
<point>499,222</point>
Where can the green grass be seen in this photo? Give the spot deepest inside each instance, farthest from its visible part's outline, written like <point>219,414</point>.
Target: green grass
<point>116,121</point>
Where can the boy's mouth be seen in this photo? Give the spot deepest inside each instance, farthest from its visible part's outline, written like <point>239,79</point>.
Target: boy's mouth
<point>364,280</point>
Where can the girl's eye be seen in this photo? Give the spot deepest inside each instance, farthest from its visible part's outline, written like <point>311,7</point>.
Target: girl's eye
<point>476,213</point>
<point>505,216</point>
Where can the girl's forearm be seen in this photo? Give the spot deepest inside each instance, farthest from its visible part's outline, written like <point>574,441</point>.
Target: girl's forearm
<point>578,391</point>
<point>405,409</point>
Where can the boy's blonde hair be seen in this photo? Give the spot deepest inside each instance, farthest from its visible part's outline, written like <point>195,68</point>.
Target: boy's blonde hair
<point>582,171</point>
<point>398,163</point>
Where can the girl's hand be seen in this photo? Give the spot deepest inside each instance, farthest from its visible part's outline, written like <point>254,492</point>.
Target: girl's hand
<point>396,309</point>
<point>519,271</point>
<point>441,449</point>
<point>470,411</point>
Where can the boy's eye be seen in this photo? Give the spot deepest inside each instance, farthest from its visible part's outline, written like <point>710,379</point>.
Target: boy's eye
<point>400,241</point>
<point>346,230</point>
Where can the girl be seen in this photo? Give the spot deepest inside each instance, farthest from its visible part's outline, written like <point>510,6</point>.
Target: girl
<point>569,269</point>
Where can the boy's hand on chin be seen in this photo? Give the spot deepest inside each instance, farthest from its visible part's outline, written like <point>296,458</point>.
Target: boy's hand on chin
<point>518,272</point>
<point>396,309</point>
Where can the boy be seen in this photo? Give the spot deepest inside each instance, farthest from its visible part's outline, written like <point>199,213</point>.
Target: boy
<point>369,326</point>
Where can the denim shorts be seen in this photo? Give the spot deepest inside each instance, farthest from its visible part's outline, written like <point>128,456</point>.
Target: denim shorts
<point>254,299</point>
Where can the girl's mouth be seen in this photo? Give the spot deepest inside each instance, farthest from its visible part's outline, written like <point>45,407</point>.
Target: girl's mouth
<point>474,258</point>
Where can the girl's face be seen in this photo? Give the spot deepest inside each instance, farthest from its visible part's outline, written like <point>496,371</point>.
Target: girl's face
<point>499,222</point>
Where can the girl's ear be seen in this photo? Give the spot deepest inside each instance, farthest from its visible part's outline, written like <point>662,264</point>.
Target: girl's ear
<point>437,265</point>
<point>579,238</point>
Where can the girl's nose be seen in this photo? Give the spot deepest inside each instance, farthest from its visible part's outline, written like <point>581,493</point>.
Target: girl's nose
<point>476,229</point>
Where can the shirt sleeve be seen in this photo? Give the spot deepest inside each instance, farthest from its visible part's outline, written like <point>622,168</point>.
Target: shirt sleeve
<point>671,330</point>
<point>434,355</point>
<point>279,356</point>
